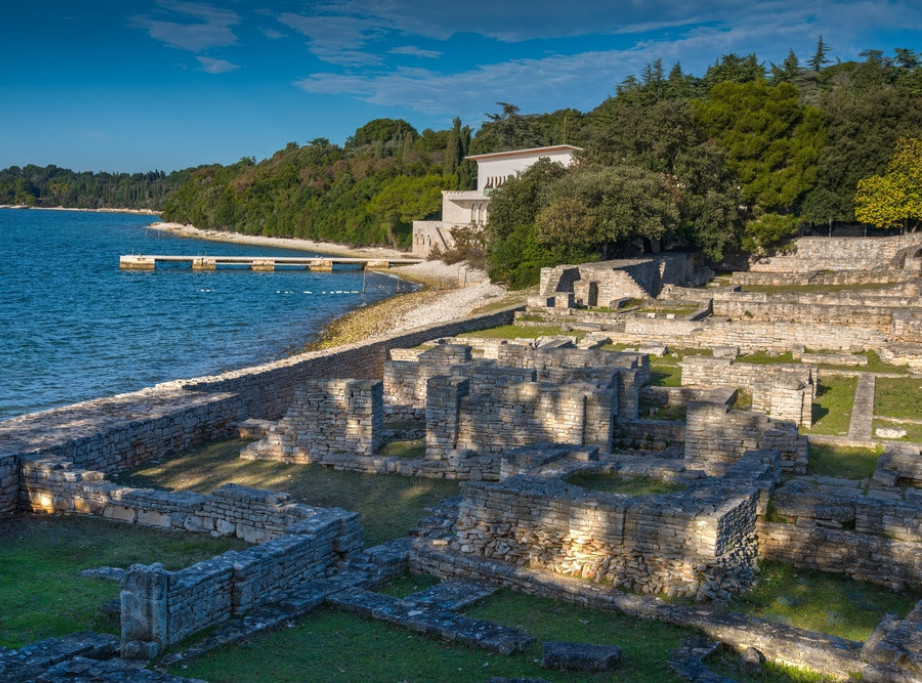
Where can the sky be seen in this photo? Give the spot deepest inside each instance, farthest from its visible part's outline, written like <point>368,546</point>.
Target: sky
<point>141,85</point>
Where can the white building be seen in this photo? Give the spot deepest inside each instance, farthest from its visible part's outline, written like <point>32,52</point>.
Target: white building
<point>463,208</point>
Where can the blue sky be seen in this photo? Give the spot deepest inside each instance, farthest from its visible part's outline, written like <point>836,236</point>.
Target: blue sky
<point>138,85</point>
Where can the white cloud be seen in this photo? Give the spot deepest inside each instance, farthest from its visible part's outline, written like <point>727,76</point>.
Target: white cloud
<point>212,30</point>
<point>336,39</point>
<point>216,66</point>
<point>414,51</point>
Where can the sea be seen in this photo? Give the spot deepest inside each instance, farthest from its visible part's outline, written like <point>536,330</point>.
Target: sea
<point>74,327</point>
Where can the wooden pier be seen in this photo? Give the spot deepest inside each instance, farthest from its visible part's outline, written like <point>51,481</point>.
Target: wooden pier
<point>262,263</point>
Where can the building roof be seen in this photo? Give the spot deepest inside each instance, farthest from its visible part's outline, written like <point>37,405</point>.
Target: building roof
<point>534,151</point>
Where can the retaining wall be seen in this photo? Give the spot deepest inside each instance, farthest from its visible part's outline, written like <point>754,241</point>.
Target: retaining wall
<point>840,253</point>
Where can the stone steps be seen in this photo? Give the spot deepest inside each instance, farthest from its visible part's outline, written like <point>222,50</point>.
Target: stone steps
<point>432,621</point>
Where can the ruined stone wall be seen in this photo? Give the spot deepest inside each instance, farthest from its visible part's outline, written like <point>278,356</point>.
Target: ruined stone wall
<point>405,381</point>
<point>55,486</point>
<point>326,416</point>
<point>769,336</point>
<point>562,365</point>
<point>883,561</point>
<point>161,607</point>
<point>878,276</point>
<point>851,311</point>
<point>677,544</point>
<point>784,391</point>
<point>840,253</point>
<point>515,415</point>
<point>716,437</point>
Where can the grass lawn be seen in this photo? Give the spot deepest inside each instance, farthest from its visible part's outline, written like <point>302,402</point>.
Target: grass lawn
<point>609,482</point>
<point>832,409</point>
<point>842,461</point>
<point>389,505</point>
<point>521,331</point>
<point>913,430</point>
<point>899,397</point>
<point>41,591</point>
<point>817,601</point>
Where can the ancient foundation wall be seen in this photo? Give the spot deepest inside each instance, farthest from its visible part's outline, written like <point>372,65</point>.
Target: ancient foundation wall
<point>161,607</point>
<point>515,415</point>
<point>716,437</point>
<point>56,486</point>
<point>769,336</point>
<point>884,561</point>
<point>675,544</point>
<point>326,416</point>
<point>825,278</point>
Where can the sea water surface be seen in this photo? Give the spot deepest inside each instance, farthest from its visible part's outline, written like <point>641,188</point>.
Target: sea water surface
<point>74,327</point>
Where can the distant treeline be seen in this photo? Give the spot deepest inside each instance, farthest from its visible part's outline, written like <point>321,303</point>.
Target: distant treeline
<point>52,186</point>
<point>740,158</point>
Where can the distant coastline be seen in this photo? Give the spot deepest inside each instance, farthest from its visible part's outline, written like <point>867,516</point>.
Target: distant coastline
<point>141,212</point>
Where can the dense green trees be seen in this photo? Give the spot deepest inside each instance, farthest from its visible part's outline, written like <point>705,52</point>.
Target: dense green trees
<point>894,199</point>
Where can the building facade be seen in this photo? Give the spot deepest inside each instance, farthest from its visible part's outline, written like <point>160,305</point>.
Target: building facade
<point>470,208</point>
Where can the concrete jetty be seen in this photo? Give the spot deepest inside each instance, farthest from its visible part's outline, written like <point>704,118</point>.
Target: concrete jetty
<point>261,263</point>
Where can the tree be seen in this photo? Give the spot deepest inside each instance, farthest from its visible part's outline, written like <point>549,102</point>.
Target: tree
<point>819,57</point>
<point>895,198</point>
<point>788,71</point>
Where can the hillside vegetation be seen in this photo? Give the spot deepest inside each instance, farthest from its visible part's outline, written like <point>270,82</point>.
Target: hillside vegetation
<point>739,158</point>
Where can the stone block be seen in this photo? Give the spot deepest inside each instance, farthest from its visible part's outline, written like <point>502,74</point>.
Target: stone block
<point>580,656</point>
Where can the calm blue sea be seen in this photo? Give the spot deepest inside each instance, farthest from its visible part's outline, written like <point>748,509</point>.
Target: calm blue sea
<point>75,327</point>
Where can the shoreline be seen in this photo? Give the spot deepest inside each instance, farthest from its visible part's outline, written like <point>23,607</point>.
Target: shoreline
<point>136,212</point>
<point>297,243</point>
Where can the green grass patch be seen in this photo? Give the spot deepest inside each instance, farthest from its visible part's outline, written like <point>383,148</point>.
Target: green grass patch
<point>337,646</point>
<point>817,601</point>
<point>653,411</point>
<point>913,430</point>
<point>899,397</point>
<point>389,506</point>
<point>851,462</point>
<point>520,331</point>
<point>875,364</point>
<point>413,449</point>
<point>41,591</point>
<point>766,358</point>
<point>832,409</point>
<point>632,485</point>
<point>793,289</point>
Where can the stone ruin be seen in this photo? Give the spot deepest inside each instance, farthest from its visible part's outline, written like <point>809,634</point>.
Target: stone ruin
<point>519,424</point>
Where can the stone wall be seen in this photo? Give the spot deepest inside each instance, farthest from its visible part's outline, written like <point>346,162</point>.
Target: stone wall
<point>627,371</point>
<point>681,544</point>
<point>841,253</point>
<point>55,486</point>
<point>598,284</point>
<point>326,416</point>
<point>161,607</point>
<point>784,391</point>
<point>716,437</point>
<point>515,415</point>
